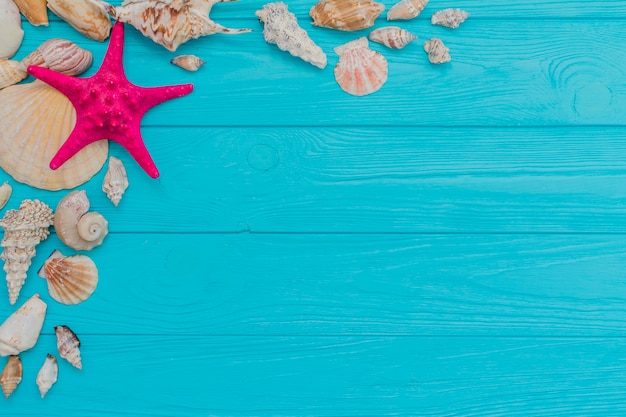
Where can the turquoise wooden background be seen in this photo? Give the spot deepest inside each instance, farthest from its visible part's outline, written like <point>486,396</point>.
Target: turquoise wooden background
<point>452,245</point>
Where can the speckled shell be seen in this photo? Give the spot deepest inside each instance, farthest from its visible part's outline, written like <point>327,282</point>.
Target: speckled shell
<point>451,18</point>
<point>20,330</point>
<point>171,23</point>
<point>11,72</point>
<point>437,52</point>
<point>392,37</point>
<point>47,375</point>
<point>11,375</point>
<point>71,279</point>
<point>75,226</point>
<point>11,31</point>
<point>23,230</point>
<point>115,181</point>
<point>5,193</point>
<point>68,345</point>
<point>34,10</point>
<point>281,28</point>
<point>188,62</point>
<point>60,55</point>
<point>360,70</point>
<point>347,15</point>
<point>89,17</point>
<point>406,9</point>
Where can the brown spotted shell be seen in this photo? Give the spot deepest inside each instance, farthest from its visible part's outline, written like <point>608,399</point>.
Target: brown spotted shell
<point>347,15</point>
<point>71,279</point>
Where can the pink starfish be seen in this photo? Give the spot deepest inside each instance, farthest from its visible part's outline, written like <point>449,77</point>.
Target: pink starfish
<point>108,106</point>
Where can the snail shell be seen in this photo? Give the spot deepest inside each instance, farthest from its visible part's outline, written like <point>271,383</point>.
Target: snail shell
<point>59,55</point>
<point>47,375</point>
<point>11,375</point>
<point>68,345</point>
<point>77,228</point>
<point>188,62</point>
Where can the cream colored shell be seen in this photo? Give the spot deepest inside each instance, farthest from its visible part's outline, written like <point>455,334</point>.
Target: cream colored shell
<point>11,375</point>
<point>11,31</point>
<point>437,52</point>
<point>68,345</point>
<point>188,62</point>
<point>347,15</point>
<point>89,17</point>
<point>47,375</point>
<point>451,18</point>
<point>5,193</point>
<point>360,70</point>
<point>60,55</point>
<point>34,10</point>
<point>75,226</point>
<point>71,279</point>
<point>115,180</point>
<point>406,9</point>
<point>392,37</point>
<point>11,72</point>
<point>20,330</point>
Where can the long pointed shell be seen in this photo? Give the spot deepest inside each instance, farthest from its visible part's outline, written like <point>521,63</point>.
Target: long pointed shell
<point>59,55</point>
<point>20,330</point>
<point>71,279</point>
<point>281,28</point>
<point>11,375</point>
<point>35,120</point>
<point>437,52</point>
<point>5,193</point>
<point>392,37</point>
<point>11,73</point>
<point>68,345</point>
<point>406,9</point>
<point>34,10</point>
<point>115,181</point>
<point>47,375</point>
<point>451,18</point>
<point>89,17</point>
<point>188,62</point>
<point>11,31</point>
<point>348,15</point>
<point>77,228</point>
<point>360,70</point>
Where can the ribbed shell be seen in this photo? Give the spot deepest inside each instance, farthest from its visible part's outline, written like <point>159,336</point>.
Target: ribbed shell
<point>59,55</point>
<point>347,15</point>
<point>360,70</point>
<point>437,52</point>
<point>68,345</point>
<point>34,10</point>
<point>11,375</point>
<point>11,31</point>
<point>392,37</point>
<point>450,18</point>
<point>89,17</point>
<point>47,375</point>
<point>188,62</point>
<point>11,72</point>
<point>406,9</point>
<point>71,279</point>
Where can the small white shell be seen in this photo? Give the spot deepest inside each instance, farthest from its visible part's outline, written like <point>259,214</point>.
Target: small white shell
<point>360,70</point>
<point>188,62</point>
<point>450,18</point>
<point>11,31</point>
<point>47,375</point>
<point>437,52</point>
<point>77,228</point>
<point>11,375</point>
<point>20,330</point>
<point>71,279</point>
<point>406,9</point>
<point>115,181</point>
<point>88,17</point>
<point>68,345</point>
<point>5,193</point>
<point>392,37</point>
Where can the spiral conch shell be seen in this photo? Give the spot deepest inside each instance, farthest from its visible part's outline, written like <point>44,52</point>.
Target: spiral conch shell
<point>75,226</point>
<point>20,330</point>
<point>11,31</point>
<point>71,279</point>
<point>406,9</point>
<point>360,70</point>
<point>23,230</point>
<point>47,375</point>
<point>11,375</point>
<point>171,23</point>
<point>348,15</point>
<point>281,28</point>
<point>115,180</point>
<point>68,345</point>
<point>437,52</point>
<point>450,18</point>
<point>34,10</point>
<point>392,37</point>
<point>188,62</point>
<point>89,17</point>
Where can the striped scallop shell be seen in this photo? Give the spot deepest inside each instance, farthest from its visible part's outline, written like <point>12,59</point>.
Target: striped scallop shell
<point>450,18</point>
<point>11,72</point>
<point>360,70</point>
<point>406,9</point>
<point>71,279</point>
<point>347,15</point>
<point>392,37</point>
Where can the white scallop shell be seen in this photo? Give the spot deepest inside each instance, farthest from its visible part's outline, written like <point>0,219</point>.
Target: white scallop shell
<point>115,181</point>
<point>68,345</point>
<point>188,62</point>
<point>75,226</point>
<point>89,17</point>
<point>360,70</point>
<point>47,375</point>
<point>437,52</point>
<point>450,18</point>
<point>71,279</point>
<point>392,37</point>
<point>20,330</point>
<point>11,31</point>
<point>406,9</point>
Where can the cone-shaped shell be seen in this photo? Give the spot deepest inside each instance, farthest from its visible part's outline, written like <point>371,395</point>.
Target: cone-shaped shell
<point>77,228</point>
<point>11,73</point>
<point>89,17</point>
<point>437,52</point>
<point>360,70</point>
<point>406,9</point>
<point>34,10</point>
<point>451,18</point>
<point>188,62</point>
<point>348,15</point>
<point>71,279</point>
<point>47,375</point>
<point>20,330</point>
<point>115,181</point>
<point>11,31</point>
<point>11,375</point>
<point>59,55</point>
<point>68,345</point>
<point>392,37</point>
<point>5,193</point>
<point>35,120</point>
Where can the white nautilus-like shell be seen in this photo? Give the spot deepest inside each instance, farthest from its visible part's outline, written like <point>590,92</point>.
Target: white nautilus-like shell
<point>76,226</point>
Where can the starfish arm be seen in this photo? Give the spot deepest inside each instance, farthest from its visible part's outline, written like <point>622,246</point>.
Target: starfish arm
<point>156,95</point>
<point>137,149</point>
<point>67,85</point>
<point>113,62</point>
<point>76,141</point>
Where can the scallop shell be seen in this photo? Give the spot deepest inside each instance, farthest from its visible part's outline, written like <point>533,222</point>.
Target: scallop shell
<point>68,345</point>
<point>20,330</point>
<point>59,55</point>
<point>281,28</point>
<point>115,181</point>
<point>5,193</point>
<point>71,279</point>
<point>348,15</point>
<point>437,52</point>
<point>34,10</point>
<point>11,72</point>
<point>406,9</point>
<point>360,70</point>
<point>450,18</point>
<point>89,17</point>
<point>11,375</point>
<point>35,120</point>
<point>11,31</point>
<point>188,62</point>
<point>23,230</point>
<point>47,375</point>
<point>77,228</point>
<point>171,23</point>
<point>392,37</point>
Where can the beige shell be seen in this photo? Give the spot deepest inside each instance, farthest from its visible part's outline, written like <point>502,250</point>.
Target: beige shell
<point>11,72</point>
<point>11,31</point>
<point>20,330</point>
<point>75,226</point>
<point>60,55</point>
<point>89,17</point>
<point>437,52</point>
<point>115,181</point>
<point>68,345</point>
<point>360,70</point>
<point>281,28</point>
<point>34,10</point>
<point>188,62</point>
<point>5,193</point>
<point>71,279</point>
<point>23,230</point>
<point>11,375</point>
<point>35,120</point>
<point>47,375</point>
<point>171,23</point>
<point>392,37</point>
<point>450,18</point>
<point>406,9</point>
<point>348,15</point>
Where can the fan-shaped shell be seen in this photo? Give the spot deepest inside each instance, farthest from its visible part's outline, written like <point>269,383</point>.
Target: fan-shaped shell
<point>11,31</point>
<point>11,73</point>
<point>59,55</point>
<point>188,62</point>
<point>392,37</point>
<point>47,375</point>
<point>348,15</point>
<point>450,18</point>
<point>89,17</point>
<point>68,345</point>
<point>71,279</point>
<point>11,375</point>
<point>75,226</point>
<point>437,52</point>
<point>35,120</point>
<point>360,70</point>
<point>406,9</point>
<point>34,10</point>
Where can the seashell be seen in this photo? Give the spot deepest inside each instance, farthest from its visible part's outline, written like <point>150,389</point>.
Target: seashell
<point>11,73</point>
<point>71,279</point>
<point>77,228</point>
<point>20,330</point>
<point>89,17</point>
<point>281,28</point>
<point>115,181</point>
<point>437,52</point>
<point>59,55</point>
<point>68,345</point>
<point>11,31</point>
<point>47,375</point>
<point>450,18</point>
<point>348,15</point>
<point>34,10</point>
<point>406,9</point>
<point>392,37</point>
<point>360,70</point>
<point>173,22</point>
<point>5,193</point>
<point>35,120</point>
<point>188,62</point>
<point>11,375</point>
<point>23,230</point>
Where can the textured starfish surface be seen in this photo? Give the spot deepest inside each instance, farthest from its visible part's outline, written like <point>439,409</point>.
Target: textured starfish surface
<point>108,106</point>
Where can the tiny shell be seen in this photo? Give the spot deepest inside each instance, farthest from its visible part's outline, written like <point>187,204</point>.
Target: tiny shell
<point>392,37</point>
<point>59,55</point>
<point>68,345</point>
<point>20,330</point>
<point>77,228</point>
<point>71,279</point>
<point>89,17</point>
<point>47,375</point>
<point>437,52</point>
<point>451,18</point>
<point>11,375</point>
<point>11,31</point>
<point>406,9</point>
<point>5,193</point>
<point>115,180</point>
<point>348,15</point>
<point>360,70</point>
<point>188,62</point>
<point>34,10</point>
